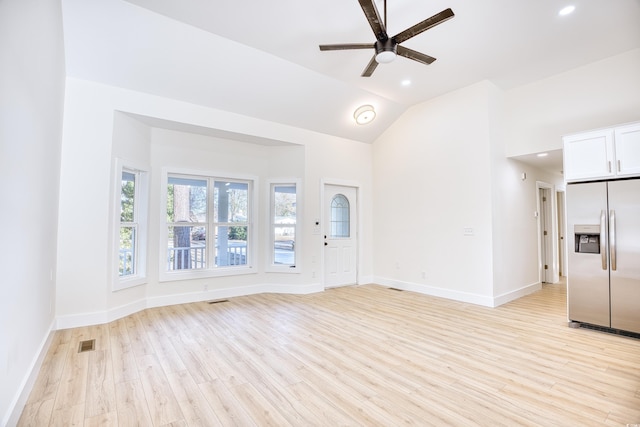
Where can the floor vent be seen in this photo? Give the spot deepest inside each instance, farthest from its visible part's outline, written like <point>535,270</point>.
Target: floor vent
<point>88,345</point>
<point>396,289</point>
<point>610,330</point>
<point>218,301</point>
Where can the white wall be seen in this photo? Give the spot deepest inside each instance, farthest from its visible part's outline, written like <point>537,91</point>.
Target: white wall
<point>96,130</point>
<point>596,95</point>
<point>516,248</point>
<point>443,168</point>
<point>433,180</point>
<point>516,269</point>
<point>31,105</point>
<point>445,162</point>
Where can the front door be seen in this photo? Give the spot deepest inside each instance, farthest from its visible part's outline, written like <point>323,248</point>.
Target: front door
<point>340,239</point>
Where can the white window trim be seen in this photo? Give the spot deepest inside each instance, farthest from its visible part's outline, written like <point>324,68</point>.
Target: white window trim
<point>169,276</point>
<point>141,198</point>
<point>270,266</point>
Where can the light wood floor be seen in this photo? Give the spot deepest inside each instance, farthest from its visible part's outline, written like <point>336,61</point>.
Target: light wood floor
<point>363,355</point>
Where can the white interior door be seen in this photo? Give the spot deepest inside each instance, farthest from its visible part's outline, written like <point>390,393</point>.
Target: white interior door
<point>340,236</point>
<point>545,238</point>
<point>562,254</point>
<point>547,229</point>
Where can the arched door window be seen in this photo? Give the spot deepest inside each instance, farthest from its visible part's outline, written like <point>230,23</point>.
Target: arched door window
<point>340,216</point>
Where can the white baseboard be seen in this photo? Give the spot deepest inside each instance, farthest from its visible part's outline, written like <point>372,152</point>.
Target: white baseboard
<point>19,401</point>
<point>518,293</point>
<point>365,280</point>
<point>98,318</point>
<point>484,300</point>
<point>235,291</point>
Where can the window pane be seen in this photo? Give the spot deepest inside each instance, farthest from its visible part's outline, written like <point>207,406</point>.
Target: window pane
<point>127,252</point>
<point>285,204</point>
<point>231,245</point>
<point>284,244</point>
<point>340,216</point>
<point>127,195</point>
<point>231,201</point>
<point>186,200</point>
<point>186,248</point>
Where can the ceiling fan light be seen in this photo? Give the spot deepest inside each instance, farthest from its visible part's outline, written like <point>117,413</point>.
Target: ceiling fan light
<point>385,57</point>
<point>364,114</point>
<point>386,51</point>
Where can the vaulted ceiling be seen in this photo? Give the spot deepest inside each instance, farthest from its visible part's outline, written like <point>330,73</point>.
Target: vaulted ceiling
<point>261,59</point>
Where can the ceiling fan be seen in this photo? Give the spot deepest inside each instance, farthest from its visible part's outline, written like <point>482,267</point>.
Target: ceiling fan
<point>388,47</point>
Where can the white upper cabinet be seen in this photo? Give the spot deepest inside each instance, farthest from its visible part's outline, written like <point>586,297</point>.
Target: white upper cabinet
<point>603,154</point>
<point>589,155</point>
<point>627,141</point>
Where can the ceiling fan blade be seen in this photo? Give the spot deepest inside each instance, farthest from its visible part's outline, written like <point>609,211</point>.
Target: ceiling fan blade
<point>346,46</point>
<point>377,25</point>
<point>436,19</point>
<point>370,67</point>
<point>416,56</point>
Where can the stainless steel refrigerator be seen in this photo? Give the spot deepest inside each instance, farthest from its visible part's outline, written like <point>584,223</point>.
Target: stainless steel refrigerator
<point>603,275</point>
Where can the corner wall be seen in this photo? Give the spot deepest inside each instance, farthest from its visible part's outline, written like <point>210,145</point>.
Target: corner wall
<point>31,108</point>
<point>433,198</point>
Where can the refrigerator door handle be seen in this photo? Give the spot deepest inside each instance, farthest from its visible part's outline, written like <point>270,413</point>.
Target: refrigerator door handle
<point>612,238</point>
<point>603,239</point>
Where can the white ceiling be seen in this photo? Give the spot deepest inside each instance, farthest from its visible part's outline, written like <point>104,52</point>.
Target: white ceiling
<point>261,59</point>
<point>549,161</point>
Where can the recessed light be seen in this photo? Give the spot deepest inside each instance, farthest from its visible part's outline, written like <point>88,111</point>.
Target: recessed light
<point>566,10</point>
<point>406,83</point>
<point>543,154</point>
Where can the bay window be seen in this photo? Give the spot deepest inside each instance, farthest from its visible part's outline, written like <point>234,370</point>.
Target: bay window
<point>207,228</point>
<point>131,225</point>
<point>284,223</point>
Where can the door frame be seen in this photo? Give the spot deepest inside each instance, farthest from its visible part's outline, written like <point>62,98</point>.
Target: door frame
<point>562,231</point>
<point>324,182</point>
<point>551,217</point>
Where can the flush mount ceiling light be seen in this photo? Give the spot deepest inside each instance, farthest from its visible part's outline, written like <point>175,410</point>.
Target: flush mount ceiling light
<point>566,10</point>
<point>542,154</point>
<point>364,114</point>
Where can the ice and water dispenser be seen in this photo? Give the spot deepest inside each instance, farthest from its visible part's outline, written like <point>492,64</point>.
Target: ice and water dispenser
<point>587,239</point>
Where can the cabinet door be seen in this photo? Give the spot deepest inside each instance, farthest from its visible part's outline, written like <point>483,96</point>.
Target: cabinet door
<point>589,155</point>
<point>627,143</point>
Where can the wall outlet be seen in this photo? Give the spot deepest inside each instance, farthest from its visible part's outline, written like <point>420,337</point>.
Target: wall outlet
<point>313,274</point>
<point>206,287</point>
<point>424,274</point>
